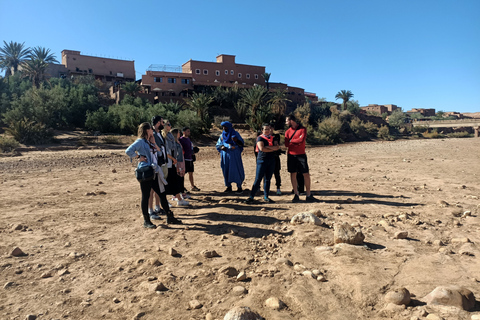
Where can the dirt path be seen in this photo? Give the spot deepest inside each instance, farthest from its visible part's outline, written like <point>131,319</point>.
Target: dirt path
<point>76,216</point>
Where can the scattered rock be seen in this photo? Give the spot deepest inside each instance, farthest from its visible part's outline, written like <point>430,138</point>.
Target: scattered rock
<point>305,217</point>
<point>210,254</point>
<point>308,274</point>
<point>172,252</point>
<point>242,313</point>
<point>114,171</point>
<point>239,290</point>
<point>321,278</point>
<point>392,307</point>
<point>229,271</point>
<point>152,287</point>
<point>8,285</point>
<point>398,296</point>
<point>467,249</point>
<point>116,300</point>
<point>242,276</point>
<point>433,316</point>
<point>155,262</point>
<point>138,316</point>
<point>316,212</point>
<point>275,303</point>
<point>17,227</point>
<point>46,275</point>
<point>460,240</point>
<point>17,252</point>
<point>345,233</point>
<point>401,235</point>
<point>284,261</point>
<point>443,203</point>
<point>31,317</point>
<point>467,214</point>
<point>451,296</point>
<point>195,304</point>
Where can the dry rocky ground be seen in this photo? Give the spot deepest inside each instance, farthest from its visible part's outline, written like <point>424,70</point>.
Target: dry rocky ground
<point>75,215</point>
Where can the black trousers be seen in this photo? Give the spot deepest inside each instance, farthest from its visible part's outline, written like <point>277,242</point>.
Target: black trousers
<point>146,187</point>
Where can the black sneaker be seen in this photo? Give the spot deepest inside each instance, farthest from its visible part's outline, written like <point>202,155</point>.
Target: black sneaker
<point>149,225</point>
<point>239,190</point>
<point>268,200</point>
<point>173,220</point>
<point>154,216</point>
<point>249,201</point>
<point>229,189</point>
<point>194,188</point>
<point>311,198</point>
<point>296,199</point>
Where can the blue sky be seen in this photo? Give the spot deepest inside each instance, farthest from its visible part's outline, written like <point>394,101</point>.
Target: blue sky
<point>412,53</point>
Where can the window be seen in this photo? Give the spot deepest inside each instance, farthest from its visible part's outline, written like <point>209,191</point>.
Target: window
<point>172,80</point>
<point>185,81</point>
<point>256,76</point>
<point>157,79</point>
<point>205,71</point>
<point>217,73</point>
<point>239,75</point>
<point>90,70</point>
<point>226,71</point>
<point>248,75</point>
<point>197,71</point>
<point>231,72</point>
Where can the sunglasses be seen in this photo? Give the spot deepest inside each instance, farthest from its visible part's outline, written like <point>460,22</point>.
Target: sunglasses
<point>168,124</point>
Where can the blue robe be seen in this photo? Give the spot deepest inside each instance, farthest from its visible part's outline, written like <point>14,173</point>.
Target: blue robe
<point>231,160</point>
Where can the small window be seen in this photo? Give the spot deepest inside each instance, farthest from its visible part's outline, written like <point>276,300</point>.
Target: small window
<point>185,81</point>
<point>239,75</point>
<point>172,80</point>
<point>205,71</point>
<point>217,73</point>
<point>226,71</point>
<point>90,70</point>
<point>231,72</point>
<point>158,79</point>
<point>256,76</point>
<point>248,75</point>
<point>197,71</point>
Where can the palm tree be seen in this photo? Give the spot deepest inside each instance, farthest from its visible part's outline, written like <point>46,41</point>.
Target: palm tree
<point>12,55</point>
<point>35,70</point>
<point>254,98</point>
<point>200,102</point>
<point>131,88</point>
<point>278,102</point>
<point>43,54</point>
<point>345,95</point>
<point>266,76</point>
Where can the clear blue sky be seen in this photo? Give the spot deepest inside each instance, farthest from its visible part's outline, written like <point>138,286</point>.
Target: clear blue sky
<point>412,53</point>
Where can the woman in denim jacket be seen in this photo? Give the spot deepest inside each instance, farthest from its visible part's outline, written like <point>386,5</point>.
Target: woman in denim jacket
<point>144,149</point>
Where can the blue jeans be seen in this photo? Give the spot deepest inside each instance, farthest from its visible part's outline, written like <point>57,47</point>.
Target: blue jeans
<point>265,169</point>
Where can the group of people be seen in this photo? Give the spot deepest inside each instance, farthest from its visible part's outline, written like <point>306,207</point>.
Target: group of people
<point>171,155</point>
<point>267,150</point>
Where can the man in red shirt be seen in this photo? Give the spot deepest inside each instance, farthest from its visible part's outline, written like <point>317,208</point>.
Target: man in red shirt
<point>295,138</point>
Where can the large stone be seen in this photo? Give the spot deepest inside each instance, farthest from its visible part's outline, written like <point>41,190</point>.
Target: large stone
<point>398,296</point>
<point>274,303</point>
<point>195,304</point>
<point>306,217</point>
<point>454,296</point>
<point>229,271</point>
<point>345,233</point>
<point>153,287</point>
<point>242,313</point>
<point>210,254</point>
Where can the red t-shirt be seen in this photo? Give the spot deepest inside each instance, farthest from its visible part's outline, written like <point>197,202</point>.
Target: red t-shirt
<point>296,142</point>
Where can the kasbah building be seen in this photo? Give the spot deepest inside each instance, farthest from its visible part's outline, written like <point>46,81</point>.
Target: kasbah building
<point>163,83</point>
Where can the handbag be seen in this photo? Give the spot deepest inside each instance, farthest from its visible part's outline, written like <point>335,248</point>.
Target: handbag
<point>144,174</point>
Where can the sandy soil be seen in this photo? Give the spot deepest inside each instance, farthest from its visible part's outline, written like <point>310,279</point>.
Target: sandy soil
<point>76,216</point>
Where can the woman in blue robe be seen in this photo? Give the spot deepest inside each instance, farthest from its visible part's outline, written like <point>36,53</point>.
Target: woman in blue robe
<point>230,145</point>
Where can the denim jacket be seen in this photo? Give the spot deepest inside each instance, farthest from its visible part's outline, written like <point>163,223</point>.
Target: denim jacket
<point>142,148</point>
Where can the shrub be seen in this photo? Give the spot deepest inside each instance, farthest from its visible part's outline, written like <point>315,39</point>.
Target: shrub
<point>8,144</point>
<point>371,128</point>
<point>384,133</point>
<point>432,135</point>
<point>101,120</point>
<point>329,130</point>
<point>358,128</point>
<point>30,132</point>
<point>462,134</point>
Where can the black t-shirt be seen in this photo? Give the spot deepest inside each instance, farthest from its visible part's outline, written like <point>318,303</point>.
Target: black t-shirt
<point>265,155</point>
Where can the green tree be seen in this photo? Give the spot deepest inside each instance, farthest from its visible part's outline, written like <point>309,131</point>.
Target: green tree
<point>12,55</point>
<point>200,103</point>
<point>43,54</point>
<point>266,76</point>
<point>34,69</point>
<point>397,118</point>
<point>345,95</point>
<point>131,88</point>
<point>278,101</point>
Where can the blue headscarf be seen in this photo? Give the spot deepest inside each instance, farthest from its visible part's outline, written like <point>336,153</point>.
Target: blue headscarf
<point>227,136</point>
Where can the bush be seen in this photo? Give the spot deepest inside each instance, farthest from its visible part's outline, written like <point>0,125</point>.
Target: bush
<point>102,121</point>
<point>384,133</point>
<point>30,132</point>
<point>329,131</point>
<point>8,144</point>
<point>432,135</point>
<point>462,134</point>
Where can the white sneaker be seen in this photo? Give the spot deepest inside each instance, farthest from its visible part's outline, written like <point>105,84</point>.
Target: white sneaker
<point>182,203</point>
<point>174,199</point>
<point>150,211</point>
